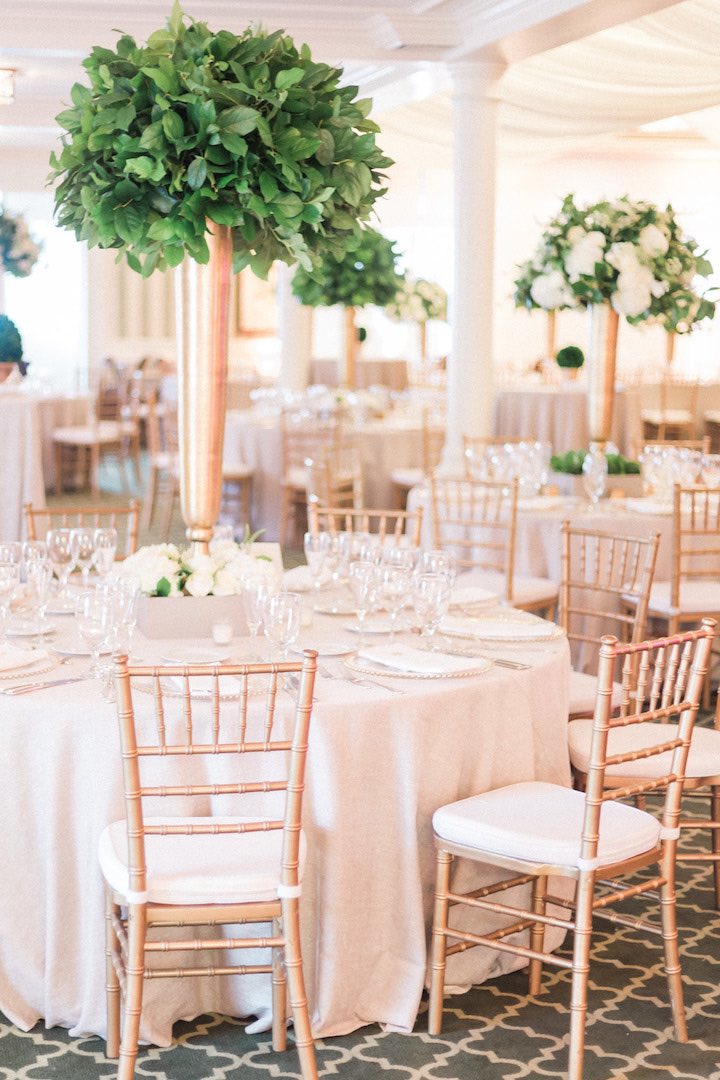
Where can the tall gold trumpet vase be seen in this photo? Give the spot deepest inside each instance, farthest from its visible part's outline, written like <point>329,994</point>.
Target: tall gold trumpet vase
<point>351,350</point>
<point>551,335</point>
<point>602,350</point>
<point>202,303</point>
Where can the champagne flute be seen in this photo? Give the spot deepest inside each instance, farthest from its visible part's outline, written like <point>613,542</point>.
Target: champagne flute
<point>38,575</point>
<point>431,599</point>
<point>315,546</point>
<point>104,549</point>
<point>82,547</point>
<point>282,620</point>
<point>61,558</point>
<point>363,578</point>
<point>94,622</point>
<point>395,584</point>
<point>255,595</point>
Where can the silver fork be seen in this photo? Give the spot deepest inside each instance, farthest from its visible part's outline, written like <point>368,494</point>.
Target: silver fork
<point>349,677</point>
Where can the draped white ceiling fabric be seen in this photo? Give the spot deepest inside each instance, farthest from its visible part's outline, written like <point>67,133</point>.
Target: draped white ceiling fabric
<point>659,66</point>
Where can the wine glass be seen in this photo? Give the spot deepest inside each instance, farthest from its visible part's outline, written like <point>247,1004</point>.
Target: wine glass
<point>282,620</point>
<point>11,551</point>
<point>255,595</point>
<point>401,557</point>
<point>33,551</point>
<point>82,547</point>
<point>595,472</point>
<point>437,562</point>
<point>395,582</point>
<point>38,575</point>
<point>315,547</point>
<point>104,549</point>
<point>9,581</point>
<point>61,558</point>
<point>94,618</point>
<point>710,470</point>
<point>363,578</point>
<point>431,599</point>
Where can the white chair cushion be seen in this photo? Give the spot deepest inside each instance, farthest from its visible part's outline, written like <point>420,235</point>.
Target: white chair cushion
<point>583,690</point>
<point>526,590</point>
<point>712,417</point>
<point>407,478</point>
<point>218,869</point>
<point>88,434</point>
<point>668,416</point>
<point>700,595</point>
<point>542,823</point>
<point>703,759</point>
<point>237,471</point>
<point>296,477</point>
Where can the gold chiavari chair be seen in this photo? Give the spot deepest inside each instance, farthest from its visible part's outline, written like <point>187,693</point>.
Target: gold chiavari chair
<point>304,438</point>
<point>476,447</point>
<point>703,444</point>
<point>124,518</point>
<point>402,526</point>
<point>432,442</point>
<point>676,413</point>
<point>476,520</point>
<point>202,869</point>
<point>163,485</point>
<point>536,830</point>
<point>599,572</point>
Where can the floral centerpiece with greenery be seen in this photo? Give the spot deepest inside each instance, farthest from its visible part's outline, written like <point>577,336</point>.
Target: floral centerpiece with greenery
<point>418,300</point>
<point>166,570</point>
<point>628,253</point>
<point>244,130</point>
<point>18,250</point>
<point>572,463</point>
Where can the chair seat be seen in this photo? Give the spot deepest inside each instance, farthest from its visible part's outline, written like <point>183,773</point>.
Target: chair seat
<point>699,597</point>
<point>237,471</point>
<point>712,416</point>
<point>164,461</point>
<point>703,759</point>
<point>583,689</point>
<point>225,868</point>
<point>542,823</point>
<point>526,590</point>
<point>667,416</point>
<point>107,431</point>
<point>407,478</point>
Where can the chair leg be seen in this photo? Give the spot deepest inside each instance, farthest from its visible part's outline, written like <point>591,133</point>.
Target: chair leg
<point>673,970</point>
<point>95,470</point>
<point>439,942</point>
<point>537,934</point>
<point>149,500</point>
<point>715,840</point>
<point>59,486</point>
<point>279,992</point>
<point>296,986</point>
<point>580,971</point>
<point>134,972</point>
<point>112,983</point>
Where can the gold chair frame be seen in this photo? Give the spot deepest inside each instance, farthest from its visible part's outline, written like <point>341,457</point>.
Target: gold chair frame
<point>398,524</point>
<point>124,518</point>
<point>669,688</point>
<point>127,943</point>
<point>303,438</point>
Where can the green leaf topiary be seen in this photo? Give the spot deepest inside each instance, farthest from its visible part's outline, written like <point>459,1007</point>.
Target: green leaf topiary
<point>363,274</point>
<point>11,349</point>
<point>572,462</point>
<point>571,356</point>
<point>244,130</point>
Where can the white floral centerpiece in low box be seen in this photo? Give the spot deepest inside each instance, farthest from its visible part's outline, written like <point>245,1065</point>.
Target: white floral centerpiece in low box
<point>184,594</point>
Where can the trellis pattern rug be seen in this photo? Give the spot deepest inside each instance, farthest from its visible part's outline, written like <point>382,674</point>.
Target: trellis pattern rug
<point>491,1033</point>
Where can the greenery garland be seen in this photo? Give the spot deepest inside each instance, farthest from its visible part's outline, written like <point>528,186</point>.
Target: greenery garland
<point>364,274</point>
<point>244,130</point>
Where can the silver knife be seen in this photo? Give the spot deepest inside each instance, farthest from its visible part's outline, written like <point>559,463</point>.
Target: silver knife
<point>29,688</point>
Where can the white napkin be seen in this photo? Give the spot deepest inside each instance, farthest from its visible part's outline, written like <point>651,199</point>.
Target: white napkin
<point>471,595</point>
<point>405,658</point>
<point>486,627</point>
<point>541,502</point>
<point>12,658</point>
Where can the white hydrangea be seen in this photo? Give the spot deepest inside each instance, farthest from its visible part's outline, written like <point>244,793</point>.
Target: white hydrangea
<point>633,294</point>
<point>551,291</point>
<point>151,564</point>
<point>653,241</point>
<point>223,572</point>
<point>587,250</point>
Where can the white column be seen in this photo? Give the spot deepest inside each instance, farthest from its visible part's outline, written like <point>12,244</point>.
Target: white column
<point>295,330</point>
<point>470,375</point>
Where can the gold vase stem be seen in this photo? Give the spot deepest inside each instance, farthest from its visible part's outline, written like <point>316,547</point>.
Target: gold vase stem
<point>602,351</point>
<point>351,349</point>
<point>551,338</point>
<point>202,295</point>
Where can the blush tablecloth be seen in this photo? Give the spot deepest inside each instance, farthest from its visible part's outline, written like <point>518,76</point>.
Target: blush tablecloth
<point>558,415</point>
<point>379,765</point>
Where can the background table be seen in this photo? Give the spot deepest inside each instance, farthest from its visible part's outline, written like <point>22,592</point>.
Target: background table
<point>390,373</point>
<point>558,415</point>
<point>379,765</point>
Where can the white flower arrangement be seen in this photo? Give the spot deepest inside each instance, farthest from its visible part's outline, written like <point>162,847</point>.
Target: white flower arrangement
<point>165,570</point>
<point>18,250</point>
<point>628,253</point>
<point>418,301</point>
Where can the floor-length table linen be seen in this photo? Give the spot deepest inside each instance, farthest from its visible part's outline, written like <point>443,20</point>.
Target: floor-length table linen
<point>558,415</point>
<point>379,765</point>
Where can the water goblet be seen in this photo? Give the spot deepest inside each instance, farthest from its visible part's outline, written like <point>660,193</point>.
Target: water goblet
<point>33,551</point>
<point>104,550</point>
<point>9,581</point>
<point>255,595</point>
<point>315,548</point>
<point>363,579</point>
<point>399,556</point>
<point>595,472</point>
<point>710,470</point>
<point>282,620</point>
<point>94,619</point>
<point>395,584</point>
<point>431,599</point>
<point>437,562</point>
<point>11,551</point>
<point>82,547</point>
<point>61,559</point>
<point>38,575</point>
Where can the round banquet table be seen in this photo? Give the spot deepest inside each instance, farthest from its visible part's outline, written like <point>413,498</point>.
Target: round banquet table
<point>379,764</point>
<point>382,445</point>
<point>558,415</point>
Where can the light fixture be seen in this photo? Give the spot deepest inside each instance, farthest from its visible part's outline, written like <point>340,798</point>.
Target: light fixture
<point>7,85</point>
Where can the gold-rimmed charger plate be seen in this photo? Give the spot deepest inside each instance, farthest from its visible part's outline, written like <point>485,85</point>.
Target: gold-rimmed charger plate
<point>505,630</point>
<point>366,667</point>
<point>37,667</point>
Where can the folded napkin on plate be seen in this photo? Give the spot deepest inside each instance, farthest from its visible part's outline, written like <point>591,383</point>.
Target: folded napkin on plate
<point>404,658</point>
<point>485,627</point>
<point>12,658</point>
<point>470,595</point>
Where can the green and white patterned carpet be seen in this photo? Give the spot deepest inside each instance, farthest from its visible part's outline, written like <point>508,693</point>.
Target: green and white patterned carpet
<point>490,1033</point>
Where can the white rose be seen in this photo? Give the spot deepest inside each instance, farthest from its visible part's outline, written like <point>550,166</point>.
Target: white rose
<point>653,241</point>
<point>200,583</point>
<point>223,551</point>
<point>200,564</point>
<point>584,254</point>
<point>575,234</point>
<point>659,288</point>
<point>633,294</point>
<point>551,291</point>
<point>226,583</point>
<point>624,257</point>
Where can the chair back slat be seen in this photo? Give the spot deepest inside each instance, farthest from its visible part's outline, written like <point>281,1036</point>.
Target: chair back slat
<point>599,573</point>
<point>674,670</point>
<point>125,518</point>
<point>398,525</point>
<point>197,721</point>
<point>695,537</point>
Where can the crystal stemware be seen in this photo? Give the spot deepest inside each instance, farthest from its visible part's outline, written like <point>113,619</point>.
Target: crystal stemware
<point>282,620</point>
<point>395,583</point>
<point>315,548</point>
<point>104,550</point>
<point>431,599</point>
<point>38,575</point>
<point>595,472</point>
<point>94,619</point>
<point>363,577</point>
<point>11,551</point>
<point>710,470</point>
<point>82,547</point>
<point>9,581</point>
<point>61,558</point>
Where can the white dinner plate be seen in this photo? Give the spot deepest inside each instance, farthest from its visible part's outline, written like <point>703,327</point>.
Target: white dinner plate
<point>22,662</point>
<point>25,630</point>
<point>324,648</point>
<point>373,626</point>
<point>195,654</point>
<point>77,649</point>
<point>335,607</point>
